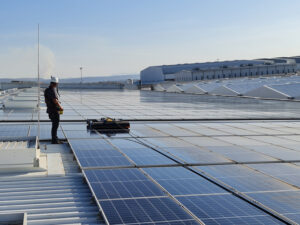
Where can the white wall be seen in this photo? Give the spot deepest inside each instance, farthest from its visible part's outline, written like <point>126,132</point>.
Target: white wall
<point>152,74</point>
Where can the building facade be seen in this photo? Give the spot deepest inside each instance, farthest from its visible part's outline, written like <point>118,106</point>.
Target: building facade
<point>218,70</point>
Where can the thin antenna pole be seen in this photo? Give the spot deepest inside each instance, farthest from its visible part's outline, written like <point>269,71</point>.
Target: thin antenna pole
<point>39,85</point>
<point>81,83</point>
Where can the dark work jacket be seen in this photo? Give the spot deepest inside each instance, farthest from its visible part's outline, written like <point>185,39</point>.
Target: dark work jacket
<point>51,94</point>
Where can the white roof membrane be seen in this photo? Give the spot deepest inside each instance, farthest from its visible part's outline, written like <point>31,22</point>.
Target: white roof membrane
<point>224,90</point>
<point>267,92</point>
<point>174,88</point>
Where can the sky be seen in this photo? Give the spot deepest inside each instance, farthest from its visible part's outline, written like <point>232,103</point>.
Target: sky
<point>113,37</point>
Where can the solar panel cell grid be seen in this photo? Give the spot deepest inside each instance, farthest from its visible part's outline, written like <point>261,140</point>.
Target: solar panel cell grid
<point>194,155</point>
<point>250,220</point>
<point>127,197</point>
<point>79,134</point>
<point>220,207</point>
<point>180,181</point>
<point>283,202</point>
<point>94,144</point>
<point>245,179</point>
<point>121,183</point>
<point>148,210</point>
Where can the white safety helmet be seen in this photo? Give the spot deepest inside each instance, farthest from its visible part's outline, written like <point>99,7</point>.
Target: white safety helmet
<point>54,80</point>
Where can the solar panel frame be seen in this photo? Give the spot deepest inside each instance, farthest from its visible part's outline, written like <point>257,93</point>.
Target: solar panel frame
<point>245,179</point>
<point>220,206</point>
<point>136,184</point>
<point>146,210</point>
<point>181,181</point>
<point>94,158</point>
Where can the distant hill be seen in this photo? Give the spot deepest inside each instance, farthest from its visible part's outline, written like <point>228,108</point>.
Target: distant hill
<point>77,80</point>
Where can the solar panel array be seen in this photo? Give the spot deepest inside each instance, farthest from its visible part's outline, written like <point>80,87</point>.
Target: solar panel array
<point>192,172</point>
<point>182,172</point>
<point>157,105</point>
<point>265,87</point>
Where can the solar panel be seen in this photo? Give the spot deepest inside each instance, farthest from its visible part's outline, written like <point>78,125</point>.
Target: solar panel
<point>180,181</point>
<point>145,210</point>
<point>240,154</point>
<point>225,208</point>
<point>277,152</point>
<point>284,202</point>
<point>101,158</point>
<point>147,156</point>
<point>225,171</point>
<point>245,220</point>
<point>142,130</point>
<point>247,180</point>
<point>45,131</point>
<point>73,126</point>
<point>142,157</point>
<point>14,127</point>
<point>80,134</point>
<point>286,172</point>
<point>118,184</point>
<point>166,142</point>
<point>97,153</point>
<point>196,155</point>
<point>170,129</point>
<point>181,222</point>
<point>256,183</point>
<point>275,169</point>
<point>293,179</point>
<point>93,144</point>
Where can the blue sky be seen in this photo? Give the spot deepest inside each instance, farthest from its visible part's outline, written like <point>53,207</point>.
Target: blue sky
<point>110,37</point>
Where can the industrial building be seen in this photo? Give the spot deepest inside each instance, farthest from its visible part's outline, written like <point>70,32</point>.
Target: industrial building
<point>219,70</point>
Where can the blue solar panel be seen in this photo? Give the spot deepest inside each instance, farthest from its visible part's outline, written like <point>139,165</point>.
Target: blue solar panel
<point>240,154</point>
<point>97,153</point>
<point>73,126</point>
<point>180,181</point>
<point>90,144</point>
<point>45,132</point>
<point>14,129</point>
<point>247,220</point>
<point>147,156</point>
<point>245,179</point>
<point>81,134</point>
<point>286,172</point>
<point>170,173</point>
<point>181,222</point>
<point>195,155</point>
<point>144,210</point>
<point>135,185</point>
<point>97,159</point>
<point>115,175</point>
<point>226,208</point>
<point>291,179</point>
<point>220,171</point>
<point>256,183</point>
<point>283,202</point>
<point>129,143</point>
<point>274,169</point>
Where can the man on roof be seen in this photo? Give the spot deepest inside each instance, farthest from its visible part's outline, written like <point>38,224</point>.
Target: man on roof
<point>54,108</point>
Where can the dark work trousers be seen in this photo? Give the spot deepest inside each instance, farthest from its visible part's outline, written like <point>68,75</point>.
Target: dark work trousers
<point>54,117</point>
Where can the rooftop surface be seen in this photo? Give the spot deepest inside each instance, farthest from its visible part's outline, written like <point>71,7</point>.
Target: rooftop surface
<point>162,172</point>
